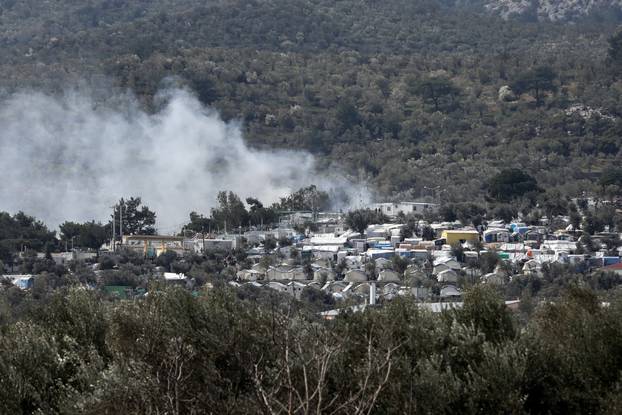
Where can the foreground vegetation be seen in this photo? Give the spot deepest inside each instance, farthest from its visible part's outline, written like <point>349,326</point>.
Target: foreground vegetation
<point>172,352</point>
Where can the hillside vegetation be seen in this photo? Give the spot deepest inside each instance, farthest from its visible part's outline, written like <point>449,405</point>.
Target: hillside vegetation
<point>399,93</point>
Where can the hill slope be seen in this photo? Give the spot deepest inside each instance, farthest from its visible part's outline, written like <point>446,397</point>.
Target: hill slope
<point>344,80</point>
<point>557,10</point>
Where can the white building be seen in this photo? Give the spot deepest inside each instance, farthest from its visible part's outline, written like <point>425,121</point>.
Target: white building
<point>387,275</point>
<point>285,273</point>
<point>153,245</point>
<point>393,209</point>
<point>355,275</point>
<point>448,275</point>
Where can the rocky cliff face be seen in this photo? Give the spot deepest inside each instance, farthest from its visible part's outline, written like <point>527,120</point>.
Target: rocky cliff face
<point>554,10</point>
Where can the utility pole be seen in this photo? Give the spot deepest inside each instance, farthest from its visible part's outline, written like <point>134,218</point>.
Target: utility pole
<point>121,221</point>
<point>203,233</point>
<point>114,219</point>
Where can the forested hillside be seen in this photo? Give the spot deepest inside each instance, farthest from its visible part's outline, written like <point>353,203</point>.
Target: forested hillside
<point>404,94</point>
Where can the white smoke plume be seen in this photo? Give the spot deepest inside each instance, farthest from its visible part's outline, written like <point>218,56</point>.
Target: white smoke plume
<point>68,158</point>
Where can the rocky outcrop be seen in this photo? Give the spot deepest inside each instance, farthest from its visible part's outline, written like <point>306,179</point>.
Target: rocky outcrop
<point>587,112</point>
<point>551,10</point>
<point>506,94</point>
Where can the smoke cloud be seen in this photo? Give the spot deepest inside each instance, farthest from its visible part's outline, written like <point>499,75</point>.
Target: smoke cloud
<point>70,158</point>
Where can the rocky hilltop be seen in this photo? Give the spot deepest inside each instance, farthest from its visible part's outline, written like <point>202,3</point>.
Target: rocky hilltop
<point>555,10</point>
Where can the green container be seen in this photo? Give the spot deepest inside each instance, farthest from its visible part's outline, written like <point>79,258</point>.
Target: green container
<point>118,291</point>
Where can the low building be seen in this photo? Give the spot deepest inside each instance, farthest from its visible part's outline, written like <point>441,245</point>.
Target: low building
<point>532,267</point>
<point>152,246</point>
<point>361,289</point>
<point>219,245</point>
<point>460,236</point>
<point>175,278</point>
<point>420,293</point>
<point>512,305</point>
<point>23,281</point>
<point>322,251</point>
<point>323,274</point>
<point>355,275</point>
<point>444,263</point>
<point>335,286</point>
<point>559,245</point>
<point>449,275</point>
<point>390,288</point>
<point>615,268</point>
<point>382,263</point>
<point>493,278</point>
<point>383,231</point>
<point>226,243</point>
<point>285,273</point>
<point>277,286</point>
<point>450,291</point>
<point>332,314</point>
<point>328,239</point>
<point>255,237</point>
<point>392,210</point>
<point>496,235</point>
<point>295,288</point>
<point>380,253</point>
<point>414,275</point>
<point>250,275</point>
<point>387,275</point>
<point>62,258</point>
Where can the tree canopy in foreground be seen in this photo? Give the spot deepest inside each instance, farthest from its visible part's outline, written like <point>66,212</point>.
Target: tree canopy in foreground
<point>218,352</point>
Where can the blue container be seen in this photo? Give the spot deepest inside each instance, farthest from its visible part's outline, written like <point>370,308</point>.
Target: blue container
<point>611,260</point>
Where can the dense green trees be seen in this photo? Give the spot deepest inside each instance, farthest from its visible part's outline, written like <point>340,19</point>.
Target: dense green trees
<point>230,213</point>
<point>437,90</point>
<point>615,50</point>
<point>232,210</point>
<point>467,213</point>
<point>611,176</point>
<point>510,184</point>
<point>315,76</point>
<point>258,214</point>
<point>234,214</point>
<point>137,218</point>
<point>597,220</point>
<point>307,198</point>
<point>347,115</point>
<point>221,352</point>
<point>359,219</point>
<point>539,80</point>
<point>22,231</point>
<point>505,212</point>
<point>561,332</point>
<point>199,224</point>
<point>85,235</point>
